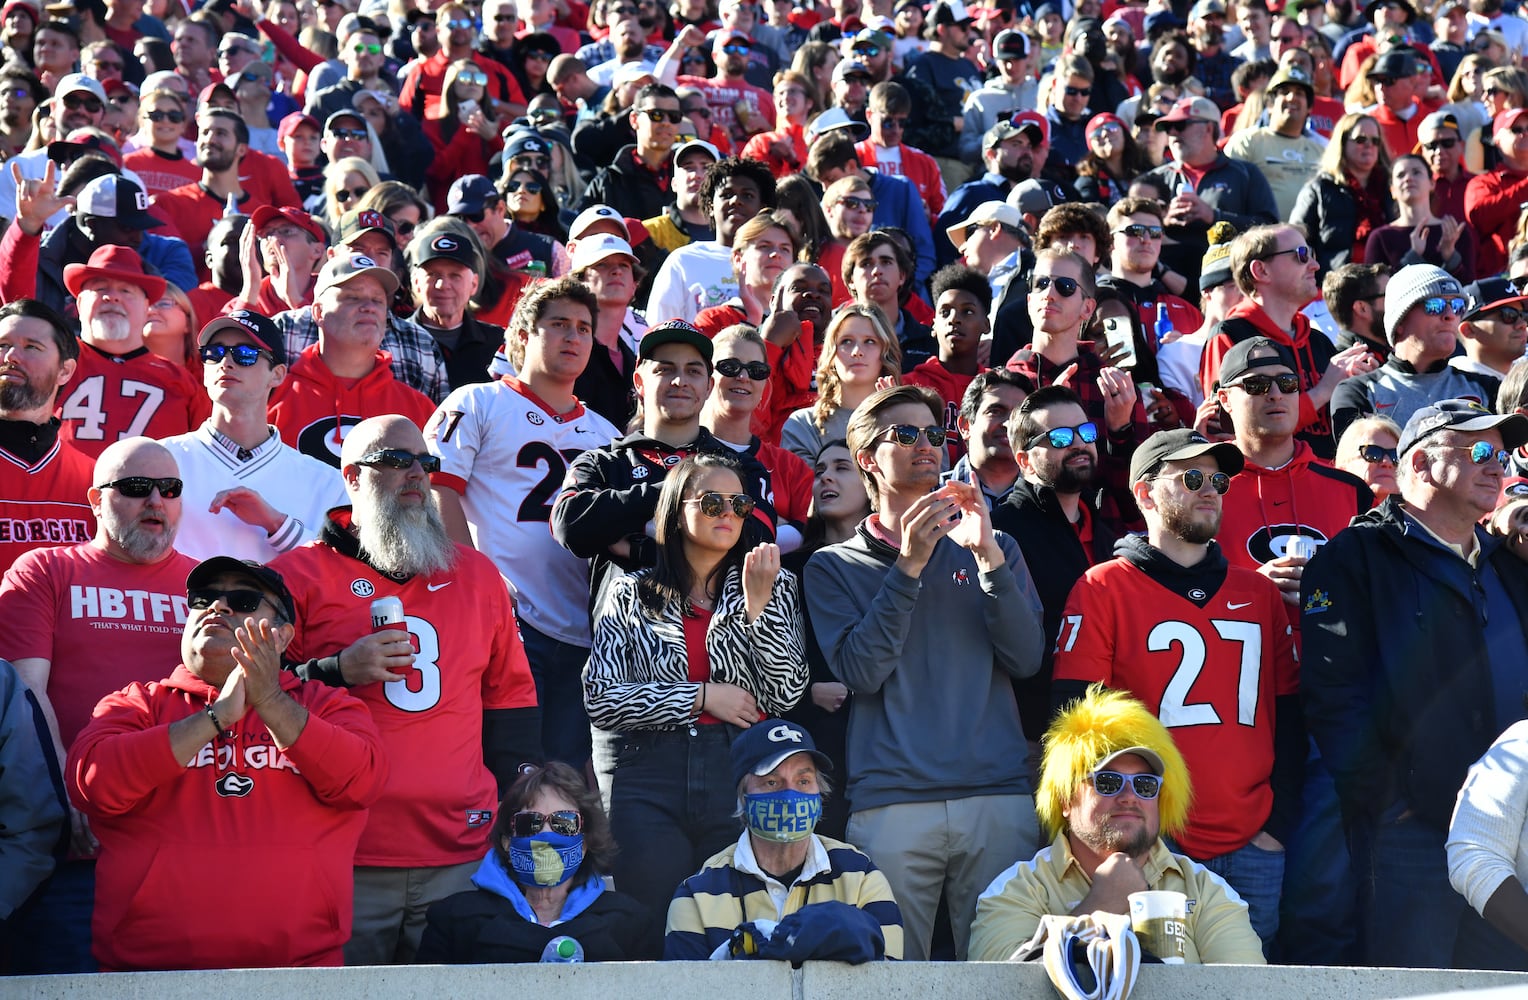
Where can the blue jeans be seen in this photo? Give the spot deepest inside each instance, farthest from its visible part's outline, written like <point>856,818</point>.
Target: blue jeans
<point>1257,875</point>
<point>671,806</point>
<point>1318,923</point>
<point>1409,914</point>
<point>51,934</point>
<point>558,669</point>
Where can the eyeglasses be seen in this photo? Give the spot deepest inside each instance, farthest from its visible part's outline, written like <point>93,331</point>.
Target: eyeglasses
<point>459,23</point>
<point>1066,286</point>
<point>1437,305</point>
<point>1106,128</point>
<point>1438,144</point>
<point>1302,254</point>
<point>566,822</point>
<point>736,50</point>
<point>535,161</point>
<point>472,78</point>
<point>400,459</point>
<point>75,102</point>
<point>139,487</point>
<point>348,133</point>
<point>1482,452</point>
<point>864,204</point>
<point>1111,783</point>
<point>173,117</point>
<point>703,111</point>
<point>241,602</point>
<point>1374,454</point>
<point>1063,437</point>
<point>1258,385</point>
<point>244,355</point>
<point>896,123</point>
<point>529,187</point>
<point>715,504</point>
<point>1193,480</point>
<point>868,51</point>
<point>1364,140</point>
<point>364,48</point>
<point>1139,232</point>
<point>1078,91</point>
<point>662,115</point>
<point>906,435</point>
<point>732,368</point>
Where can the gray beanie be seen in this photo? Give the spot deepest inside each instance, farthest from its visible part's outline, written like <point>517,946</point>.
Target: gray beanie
<point>1409,286</point>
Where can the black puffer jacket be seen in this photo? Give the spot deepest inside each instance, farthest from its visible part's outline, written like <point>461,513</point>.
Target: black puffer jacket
<point>1329,213</point>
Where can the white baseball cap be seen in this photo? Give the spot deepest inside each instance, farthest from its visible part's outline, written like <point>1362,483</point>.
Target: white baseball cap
<point>985,214</point>
<point>593,215</point>
<point>588,252</point>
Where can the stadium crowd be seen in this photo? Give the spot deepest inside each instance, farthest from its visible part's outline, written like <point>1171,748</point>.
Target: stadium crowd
<point>520,480</point>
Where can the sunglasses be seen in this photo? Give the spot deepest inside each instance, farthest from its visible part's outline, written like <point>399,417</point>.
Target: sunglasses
<point>1509,314</point>
<point>529,187</point>
<point>526,823</point>
<point>906,435</point>
<point>533,160</point>
<point>1302,254</point>
<point>1193,480</point>
<point>1364,140</point>
<point>405,228</point>
<point>173,117</point>
<point>472,78</point>
<point>1108,128</point>
<point>505,18</point>
<point>400,459</point>
<point>244,355</point>
<point>345,195</point>
<point>1063,437</point>
<point>868,51</point>
<point>1374,454</point>
<point>736,50</point>
<point>459,23</point>
<point>539,54</point>
<point>1111,783</point>
<point>1066,286</point>
<point>1258,385</point>
<point>662,115</point>
<point>75,102</point>
<point>110,66</point>
<point>241,602</point>
<point>1078,91</point>
<point>864,204</point>
<point>1440,304</point>
<point>714,504</point>
<point>1438,144</point>
<point>473,218</point>
<point>703,111</point>
<point>896,123</point>
<point>19,91</point>
<point>1481,452</point>
<point>363,48</point>
<point>247,77</point>
<point>1177,128</point>
<point>1139,232</point>
<point>348,133</point>
<point>758,371</point>
<point>139,487</point>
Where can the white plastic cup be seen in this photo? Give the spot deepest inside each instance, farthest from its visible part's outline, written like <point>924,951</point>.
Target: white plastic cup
<point>1160,919</point>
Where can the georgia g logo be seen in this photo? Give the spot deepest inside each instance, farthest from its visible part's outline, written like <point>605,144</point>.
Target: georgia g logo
<point>234,785</point>
<point>320,441</point>
<point>1272,541</point>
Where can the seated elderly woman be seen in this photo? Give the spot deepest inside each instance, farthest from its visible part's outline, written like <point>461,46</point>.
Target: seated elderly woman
<point>541,879</point>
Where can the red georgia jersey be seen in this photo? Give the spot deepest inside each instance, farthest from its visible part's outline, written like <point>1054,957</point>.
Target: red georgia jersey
<point>440,797</point>
<point>113,397</point>
<point>45,502</point>
<point>1210,667</point>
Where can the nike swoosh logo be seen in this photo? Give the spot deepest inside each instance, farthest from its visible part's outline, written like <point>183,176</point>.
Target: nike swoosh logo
<point>433,587</point>
<point>1238,607</point>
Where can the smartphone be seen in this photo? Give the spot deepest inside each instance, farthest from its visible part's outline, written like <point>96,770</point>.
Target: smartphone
<point>1120,336</point>
<point>466,109</point>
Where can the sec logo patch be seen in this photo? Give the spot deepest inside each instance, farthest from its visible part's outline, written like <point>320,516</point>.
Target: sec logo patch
<point>362,588</point>
<point>534,417</point>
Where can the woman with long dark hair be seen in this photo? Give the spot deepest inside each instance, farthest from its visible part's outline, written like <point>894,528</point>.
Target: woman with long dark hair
<point>707,642</point>
<point>533,202</point>
<point>1113,160</point>
<point>466,135</point>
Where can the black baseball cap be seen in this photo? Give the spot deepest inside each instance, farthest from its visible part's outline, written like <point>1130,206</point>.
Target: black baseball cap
<point>447,246</point>
<point>1180,446</point>
<point>1238,361</point>
<point>675,331</point>
<point>264,577</point>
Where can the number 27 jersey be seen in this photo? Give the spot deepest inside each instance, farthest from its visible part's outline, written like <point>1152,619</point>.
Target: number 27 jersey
<point>506,453</point>
<point>1209,664</point>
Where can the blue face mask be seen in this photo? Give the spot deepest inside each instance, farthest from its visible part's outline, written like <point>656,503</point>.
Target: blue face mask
<point>547,859</point>
<point>785,816</point>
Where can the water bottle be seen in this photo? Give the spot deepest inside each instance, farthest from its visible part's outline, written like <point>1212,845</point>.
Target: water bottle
<point>231,207</point>
<point>563,950</point>
<point>1164,323</point>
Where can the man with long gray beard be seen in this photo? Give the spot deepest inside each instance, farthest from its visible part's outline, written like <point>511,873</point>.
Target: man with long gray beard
<point>83,621</point>
<point>450,690</point>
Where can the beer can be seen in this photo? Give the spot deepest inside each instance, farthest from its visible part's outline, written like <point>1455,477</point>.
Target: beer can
<point>387,612</point>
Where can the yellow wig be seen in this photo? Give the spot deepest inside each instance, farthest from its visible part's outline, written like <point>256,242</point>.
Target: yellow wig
<point>1090,729</point>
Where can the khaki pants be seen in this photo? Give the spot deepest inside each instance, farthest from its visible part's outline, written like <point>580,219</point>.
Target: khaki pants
<point>390,905</point>
<point>955,847</point>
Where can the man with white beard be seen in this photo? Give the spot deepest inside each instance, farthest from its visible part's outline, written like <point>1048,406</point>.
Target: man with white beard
<point>119,389</point>
<point>450,690</point>
<point>83,621</point>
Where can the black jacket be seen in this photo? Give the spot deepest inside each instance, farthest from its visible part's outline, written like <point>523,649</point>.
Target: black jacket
<point>478,927</point>
<point>468,361</point>
<point>1329,213</point>
<point>627,186</point>
<point>1394,666</point>
<point>1056,560</point>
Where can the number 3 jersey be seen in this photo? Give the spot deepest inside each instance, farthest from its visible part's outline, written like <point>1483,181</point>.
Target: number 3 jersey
<point>505,452</point>
<point>1208,649</point>
<point>440,797</point>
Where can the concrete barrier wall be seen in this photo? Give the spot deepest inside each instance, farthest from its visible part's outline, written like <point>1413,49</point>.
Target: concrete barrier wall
<point>748,981</point>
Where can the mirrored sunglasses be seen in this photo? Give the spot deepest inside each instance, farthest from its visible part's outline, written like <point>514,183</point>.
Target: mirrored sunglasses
<point>400,459</point>
<point>1259,385</point>
<point>244,355</point>
<point>715,504</point>
<point>1111,783</point>
<point>528,823</point>
<point>906,435</point>
<point>1194,480</point>
<point>1063,437</point>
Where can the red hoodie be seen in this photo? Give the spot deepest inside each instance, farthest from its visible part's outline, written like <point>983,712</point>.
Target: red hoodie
<point>1312,350</point>
<point>312,405</point>
<point>269,832</point>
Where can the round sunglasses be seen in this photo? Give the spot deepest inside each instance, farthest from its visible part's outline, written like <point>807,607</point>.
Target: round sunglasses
<point>906,435</point>
<point>1482,452</point>
<point>1194,480</point>
<point>715,504</point>
<point>528,823</point>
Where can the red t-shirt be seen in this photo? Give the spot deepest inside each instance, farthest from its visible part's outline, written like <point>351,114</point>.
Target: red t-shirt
<point>116,396</point>
<point>1210,669</point>
<point>102,623</point>
<point>440,797</point>
<point>161,173</point>
<point>44,503</point>
<point>697,660</point>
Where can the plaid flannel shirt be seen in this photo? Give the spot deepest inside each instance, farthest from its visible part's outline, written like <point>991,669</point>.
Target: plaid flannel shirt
<point>417,361</point>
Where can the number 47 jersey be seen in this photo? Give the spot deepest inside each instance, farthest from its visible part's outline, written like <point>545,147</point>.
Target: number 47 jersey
<point>1207,649</point>
<point>506,452</point>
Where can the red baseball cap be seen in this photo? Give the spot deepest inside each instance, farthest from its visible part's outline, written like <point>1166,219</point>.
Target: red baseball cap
<point>266,214</point>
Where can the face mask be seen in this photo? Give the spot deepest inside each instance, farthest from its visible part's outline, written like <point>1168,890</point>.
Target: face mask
<point>784,817</point>
<point>547,859</point>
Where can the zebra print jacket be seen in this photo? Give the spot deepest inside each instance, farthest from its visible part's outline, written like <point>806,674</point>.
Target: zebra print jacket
<point>638,673</point>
